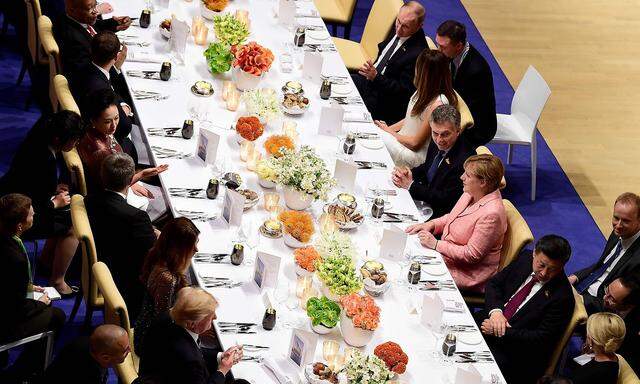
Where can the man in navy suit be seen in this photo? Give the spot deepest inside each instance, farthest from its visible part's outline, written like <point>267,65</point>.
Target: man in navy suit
<point>387,84</point>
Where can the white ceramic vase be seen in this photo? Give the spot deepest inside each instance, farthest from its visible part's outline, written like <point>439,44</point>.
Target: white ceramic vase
<point>301,271</point>
<point>266,183</point>
<point>320,329</point>
<point>292,242</point>
<point>245,81</point>
<point>355,337</point>
<point>297,200</point>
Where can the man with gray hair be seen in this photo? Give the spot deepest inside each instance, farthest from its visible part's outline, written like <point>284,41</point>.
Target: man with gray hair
<point>437,181</point>
<point>386,84</point>
<point>123,234</point>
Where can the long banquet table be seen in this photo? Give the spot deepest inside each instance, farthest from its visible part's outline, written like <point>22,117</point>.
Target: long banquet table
<point>244,303</point>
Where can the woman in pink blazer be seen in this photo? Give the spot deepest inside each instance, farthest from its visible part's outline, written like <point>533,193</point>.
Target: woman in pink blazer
<point>472,233</point>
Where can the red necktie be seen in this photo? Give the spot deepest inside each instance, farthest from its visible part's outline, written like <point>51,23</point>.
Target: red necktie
<point>517,299</point>
<point>91,31</point>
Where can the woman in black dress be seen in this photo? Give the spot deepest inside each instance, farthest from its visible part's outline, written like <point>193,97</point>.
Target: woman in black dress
<point>605,334</point>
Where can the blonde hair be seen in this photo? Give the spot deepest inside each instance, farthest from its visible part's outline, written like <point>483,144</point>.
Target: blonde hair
<point>606,330</point>
<point>488,168</point>
<point>630,198</point>
<point>192,305</point>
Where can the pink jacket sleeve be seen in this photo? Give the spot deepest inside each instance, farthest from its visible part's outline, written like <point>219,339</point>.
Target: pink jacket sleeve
<point>439,223</point>
<point>486,233</point>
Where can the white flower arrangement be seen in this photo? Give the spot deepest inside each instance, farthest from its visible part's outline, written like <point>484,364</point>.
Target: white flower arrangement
<point>304,171</point>
<point>336,244</point>
<point>363,369</point>
<point>263,103</point>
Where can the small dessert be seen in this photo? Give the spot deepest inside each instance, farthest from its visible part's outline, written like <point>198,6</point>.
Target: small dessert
<point>325,373</point>
<point>347,199</point>
<point>295,101</point>
<point>293,87</point>
<point>166,24</point>
<point>344,216</point>
<point>203,87</point>
<point>251,197</point>
<point>374,271</point>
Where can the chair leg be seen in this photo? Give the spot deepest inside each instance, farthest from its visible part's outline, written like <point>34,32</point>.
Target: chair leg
<point>23,71</point>
<point>509,154</point>
<point>76,306</point>
<point>48,350</point>
<point>534,167</point>
<point>88,317</point>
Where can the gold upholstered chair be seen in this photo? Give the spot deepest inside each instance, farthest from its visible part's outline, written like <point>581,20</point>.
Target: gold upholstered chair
<point>466,119</point>
<point>52,51</point>
<point>380,21</point>
<point>626,375</point>
<point>115,312</point>
<point>36,54</point>
<point>337,12</point>
<point>579,317</point>
<point>482,150</point>
<point>82,230</point>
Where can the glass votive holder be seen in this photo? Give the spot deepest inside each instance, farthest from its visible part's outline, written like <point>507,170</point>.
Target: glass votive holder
<point>302,284</point>
<point>330,348</point>
<point>306,295</point>
<point>337,362</point>
<point>242,16</point>
<point>246,149</point>
<point>227,86</point>
<point>271,200</point>
<point>196,24</point>
<point>252,160</point>
<point>233,99</point>
<point>201,37</point>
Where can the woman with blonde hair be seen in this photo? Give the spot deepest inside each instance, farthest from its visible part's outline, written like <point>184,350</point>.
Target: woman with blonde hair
<point>471,234</point>
<point>605,334</point>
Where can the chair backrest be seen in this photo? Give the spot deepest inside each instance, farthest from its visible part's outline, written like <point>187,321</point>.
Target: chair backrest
<point>33,42</point>
<point>380,21</point>
<point>50,46</point>
<point>517,237</point>
<point>529,100</point>
<point>466,119</point>
<point>579,317</point>
<point>348,6</point>
<point>482,150</point>
<point>63,93</point>
<point>432,46</point>
<point>126,370</point>
<point>82,231</point>
<point>626,375</point>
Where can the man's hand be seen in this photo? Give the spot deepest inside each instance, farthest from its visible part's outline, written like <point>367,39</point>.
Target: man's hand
<point>123,22</point>
<point>127,109</point>
<point>141,191</point>
<point>104,8</point>
<point>368,70</point>
<point>120,58</point>
<point>402,177</point>
<point>497,324</point>
<point>62,199</point>
<point>573,279</point>
<point>427,239</point>
<point>416,228</point>
<point>230,357</point>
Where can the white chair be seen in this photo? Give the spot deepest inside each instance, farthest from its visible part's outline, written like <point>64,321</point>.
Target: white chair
<point>48,335</point>
<point>520,127</point>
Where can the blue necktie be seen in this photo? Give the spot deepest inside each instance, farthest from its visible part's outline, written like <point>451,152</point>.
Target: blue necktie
<point>595,275</point>
<point>434,166</point>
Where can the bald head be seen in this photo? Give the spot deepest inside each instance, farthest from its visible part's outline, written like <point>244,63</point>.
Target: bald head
<point>109,345</point>
<point>410,19</point>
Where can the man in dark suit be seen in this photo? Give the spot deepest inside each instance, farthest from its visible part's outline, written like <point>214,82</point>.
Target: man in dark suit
<point>528,306</point>
<point>73,32</point>
<point>621,254</point>
<point>123,233</point>
<point>387,84</point>
<point>86,359</point>
<point>172,350</point>
<point>437,181</point>
<point>472,79</point>
<point>38,171</point>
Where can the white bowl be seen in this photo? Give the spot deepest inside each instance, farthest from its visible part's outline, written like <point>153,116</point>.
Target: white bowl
<point>207,13</point>
<point>166,33</point>
<point>294,111</point>
<point>266,183</point>
<point>292,242</point>
<point>354,336</point>
<point>376,290</point>
<point>320,329</point>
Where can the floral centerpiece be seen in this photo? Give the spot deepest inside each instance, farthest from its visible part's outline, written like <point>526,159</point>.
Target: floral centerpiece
<point>359,318</point>
<point>393,356</point>
<point>298,228</point>
<point>335,267</point>
<point>305,177</point>
<point>324,314</point>
<point>262,103</point>
<point>275,143</point>
<point>249,128</point>
<point>335,244</point>
<point>230,30</point>
<point>305,260</point>
<point>218,57</point>
<point>363,369</point>
<point>266,170</point>
<point>215,5</point>
<point>251,61</point>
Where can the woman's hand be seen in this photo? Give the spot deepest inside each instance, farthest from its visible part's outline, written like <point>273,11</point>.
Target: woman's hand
<point>37,288</point>
<point>150,172</point>
<point>141,191</point>
<point>61,200</point>
<point>427,239</point>
<point>45,299</point>
<point>383,125</point>
<point>417,228</point>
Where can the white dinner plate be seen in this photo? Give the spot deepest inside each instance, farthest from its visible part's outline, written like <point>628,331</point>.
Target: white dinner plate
<point>341,89</point>
<point>318,35</point>
<point>372,144</point>
<point>435,269</point>
<point>469,338</point>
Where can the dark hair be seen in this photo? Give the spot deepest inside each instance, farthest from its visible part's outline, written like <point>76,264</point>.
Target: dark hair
<point>98,101</point>
<point>446,113</point>
<point>631,280</point>
<point>14,209</point>
<point>66,126</point>
<point>432,78</point>
<point>454,30</point>
<point>172,249</point>
<point>548,379</point>
<point>554,247</point>
<point>104,47</point>
<point>116,171</point>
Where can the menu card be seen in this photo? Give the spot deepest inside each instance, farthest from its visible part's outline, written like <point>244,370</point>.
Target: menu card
<point>345,175</point>
<point>207,147</point>
<point>432,309</point>
<point>178,39</point>
<point>287,12</point>
<point>267,267</point>
<point>394,240</point>
<point>468,375</point>
<point>312,66</point>
<point>233,207</point>
<point>302,347</point>
<point>331,121</point>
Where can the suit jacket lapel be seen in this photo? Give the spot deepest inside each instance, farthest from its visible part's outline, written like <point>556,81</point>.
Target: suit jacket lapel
<point>483,201</point>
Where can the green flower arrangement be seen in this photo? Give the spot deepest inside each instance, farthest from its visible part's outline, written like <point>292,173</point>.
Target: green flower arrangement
<point>335,266</point>
<point>304,171</point>
<point>218,57</point>
<point>230,30</point>
<point>323,311</point>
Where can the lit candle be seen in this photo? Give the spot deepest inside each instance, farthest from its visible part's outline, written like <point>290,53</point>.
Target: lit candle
<point>329,349</point>
<point>196,24</point>
<point>337,362</point>
<point>233,99</point>
<point>227,86</point>
<point>246,148</point>
<point>276,211</point>
<point>302,284</point>
<point>271,200</point>
<point>252,160</point>
<point>201,37</point>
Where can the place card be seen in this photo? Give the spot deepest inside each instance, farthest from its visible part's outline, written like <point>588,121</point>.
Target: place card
<point>345,175</point>
<point>207,147</point>
<point>468,375</point>
<point>287,12</point>
<point>432,309</point>
<point>302,347</point>
<point>267,267</point>
<point>178,39</point>
<point>233,207</point>
<point>312,67</point>
<point>394,240</point>
<point>331,121</point>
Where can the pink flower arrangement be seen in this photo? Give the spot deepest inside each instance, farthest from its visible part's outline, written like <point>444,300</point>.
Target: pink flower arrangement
<point>362,310</point>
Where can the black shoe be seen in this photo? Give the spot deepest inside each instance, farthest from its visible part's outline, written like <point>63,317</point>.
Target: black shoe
<point>73,293</point>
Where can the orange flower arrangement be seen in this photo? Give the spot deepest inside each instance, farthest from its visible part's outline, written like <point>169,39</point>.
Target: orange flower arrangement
<point>298,224</point>
<point>249,128</point>
<point>306,258</point>
<point>216,5</point>
<point>393,356</point>
<point>252,58</point>
<point>275,142</point>
<point>362,310</point>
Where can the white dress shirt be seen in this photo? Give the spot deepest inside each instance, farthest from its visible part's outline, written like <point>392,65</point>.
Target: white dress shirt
<point>626,243</point>
<point>458,59</point>
<point>384,51</point>
<point>536,287</point>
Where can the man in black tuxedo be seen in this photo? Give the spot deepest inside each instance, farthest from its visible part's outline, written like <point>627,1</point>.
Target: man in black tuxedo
<point>472,79</point>
<point>172,348</point>
<point>437,181</point>
<point>528,306</point>
<point>123,233</point>
<point>387,84</point>
<point>86,359</point>
<point>73,32</point>
<point>621,254</point>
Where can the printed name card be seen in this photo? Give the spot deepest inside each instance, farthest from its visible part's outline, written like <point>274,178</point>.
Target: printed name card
<point>207,147</point>
<point>233,207</point>
<point>265,273</point>
<point>312,66</point>
<point>287,12</point>
<point>302,347</point>
<point>345,175</point>
<point>468,375</point>
<point>394,240</point>
<point>331,121</point>
<point>432,308</point>
<point>178,39</point>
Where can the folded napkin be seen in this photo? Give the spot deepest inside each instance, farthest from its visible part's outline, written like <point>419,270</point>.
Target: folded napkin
<point>143,57</point>
<point>357,117</point>
<point>273,368</point>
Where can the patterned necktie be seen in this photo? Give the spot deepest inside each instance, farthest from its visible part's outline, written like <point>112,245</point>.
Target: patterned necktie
<point>91,31</point>
<point>434,166</point>
<point>517,299</point>
<point>453,70</point>
<point>595,275</point>
<point>383,63</point>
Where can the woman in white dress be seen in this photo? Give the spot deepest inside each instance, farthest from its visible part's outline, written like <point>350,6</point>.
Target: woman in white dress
<point>408,139</point>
